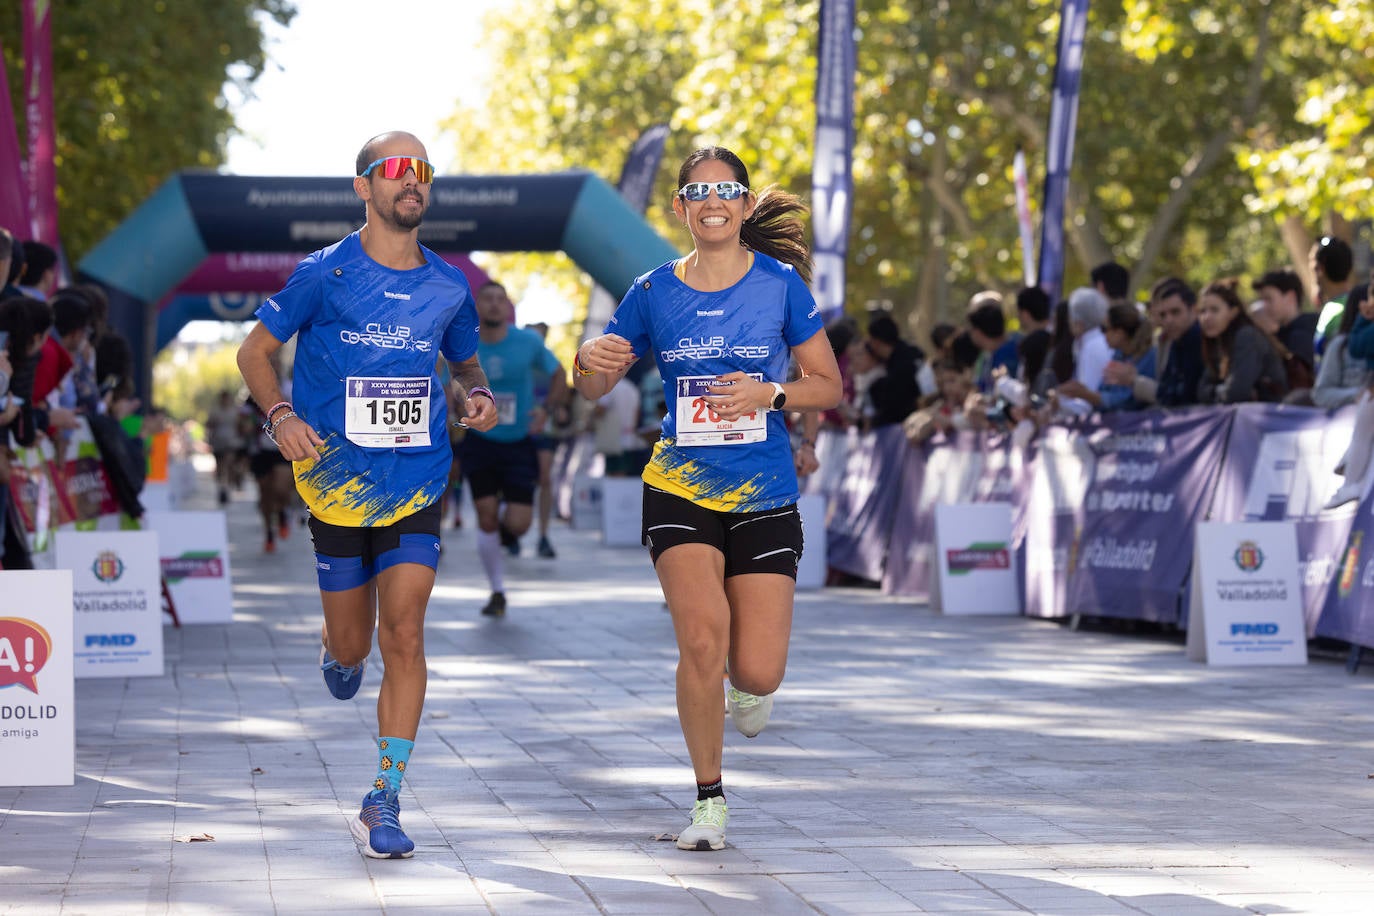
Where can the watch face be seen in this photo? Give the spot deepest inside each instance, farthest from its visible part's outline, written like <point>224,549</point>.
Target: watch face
<point>779,398</point>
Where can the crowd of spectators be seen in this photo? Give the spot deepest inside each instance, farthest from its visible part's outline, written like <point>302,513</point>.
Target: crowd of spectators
<point>60,362</point>
<point>1098,350</point>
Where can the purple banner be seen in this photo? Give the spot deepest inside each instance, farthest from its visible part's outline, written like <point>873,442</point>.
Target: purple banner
<point>832,181</point>
<point>14,203</point>
<point>1068,68</point>
<point>42,133</point>
<point>1279,466</point>
<point>969,467</point>
<point>859,524</point>
<point>1047,520</point>
<point>1152,479</point>
<point>636,185</point>
<point>1348,612</point>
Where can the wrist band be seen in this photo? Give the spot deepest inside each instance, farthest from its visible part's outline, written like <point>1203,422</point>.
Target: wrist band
<point>270,427</point>
<point>276,407</point>
<point>581,369</point>
<point>480,390</point>
<point>807,442</point>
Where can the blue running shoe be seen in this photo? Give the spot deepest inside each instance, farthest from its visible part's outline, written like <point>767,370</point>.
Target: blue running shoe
<point>378,827</point>
<point>343,682</point>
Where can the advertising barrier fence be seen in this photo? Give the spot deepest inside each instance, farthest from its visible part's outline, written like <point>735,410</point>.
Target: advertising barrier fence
<point>1105,509</point>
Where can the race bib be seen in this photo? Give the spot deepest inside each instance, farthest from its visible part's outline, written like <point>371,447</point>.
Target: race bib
<point>698,424</point>
<point>505,407</point>
<point>387,412</point>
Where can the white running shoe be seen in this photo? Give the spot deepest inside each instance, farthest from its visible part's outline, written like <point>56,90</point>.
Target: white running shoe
<point>709,817</point>
<point>748,712</point>
<point>1349,492</point>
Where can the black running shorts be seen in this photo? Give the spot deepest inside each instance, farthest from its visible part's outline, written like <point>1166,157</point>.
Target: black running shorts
<point>509,470</point>
<point>348,557</point>
<point>752,542</point>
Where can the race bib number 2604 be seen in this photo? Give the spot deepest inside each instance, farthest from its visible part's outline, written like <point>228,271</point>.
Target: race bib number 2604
<point>698,424</point>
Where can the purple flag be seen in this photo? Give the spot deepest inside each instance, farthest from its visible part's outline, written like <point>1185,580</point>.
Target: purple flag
<point>1073,21</point>
<point>42,134</point>
<point>832,181</point>
<point>14,203</point>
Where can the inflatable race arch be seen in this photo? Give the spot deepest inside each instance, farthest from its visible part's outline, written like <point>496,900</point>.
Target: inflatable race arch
<point>203,235</point>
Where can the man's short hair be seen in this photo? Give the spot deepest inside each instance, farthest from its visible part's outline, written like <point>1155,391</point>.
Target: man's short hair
<point>71,311</point>
<point>1114,278</point>
<point>1035,302</point>
<point>1284,280</point>
<point>1334,258</point>
<point>988,319</point>
<point>882,327</point>
<point>1166,287</point>
<point>38,260</point>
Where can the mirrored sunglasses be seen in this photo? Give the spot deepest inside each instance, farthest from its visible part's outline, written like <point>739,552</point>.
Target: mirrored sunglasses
<point>393,167</point>
<point>700,190</point>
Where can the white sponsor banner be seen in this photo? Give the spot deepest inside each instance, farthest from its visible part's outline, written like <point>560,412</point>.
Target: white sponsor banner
<point>194,549</point>
<point>977,567</point>
<point>37,703</point>
<point>586,503</point>
<point>1246,606</point>
<point>622,511</point>
<point>812,567</point>
<point>117,601</point>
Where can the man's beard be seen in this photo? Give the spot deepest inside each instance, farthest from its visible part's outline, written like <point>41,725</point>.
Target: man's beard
<point>406,221</point>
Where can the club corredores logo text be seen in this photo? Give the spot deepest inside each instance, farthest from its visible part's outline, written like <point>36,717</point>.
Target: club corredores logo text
<point>386,336</point>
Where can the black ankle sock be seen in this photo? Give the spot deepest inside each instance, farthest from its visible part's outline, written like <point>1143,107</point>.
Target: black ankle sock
<point>707,790</point>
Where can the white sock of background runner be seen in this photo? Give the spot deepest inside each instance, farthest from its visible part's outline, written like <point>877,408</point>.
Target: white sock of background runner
<point>489,551</point>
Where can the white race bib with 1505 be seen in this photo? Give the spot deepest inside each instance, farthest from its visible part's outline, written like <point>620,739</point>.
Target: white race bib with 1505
<point>387,412</point>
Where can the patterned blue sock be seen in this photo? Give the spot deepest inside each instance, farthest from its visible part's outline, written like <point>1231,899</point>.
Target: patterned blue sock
<point>393,755</point>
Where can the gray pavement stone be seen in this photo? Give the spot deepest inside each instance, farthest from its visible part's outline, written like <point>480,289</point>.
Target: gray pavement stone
<point>915,763</point>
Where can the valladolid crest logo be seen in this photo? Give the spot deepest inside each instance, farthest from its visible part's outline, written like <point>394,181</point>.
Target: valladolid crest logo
<point>1248,556</point>
<point>108,567</point>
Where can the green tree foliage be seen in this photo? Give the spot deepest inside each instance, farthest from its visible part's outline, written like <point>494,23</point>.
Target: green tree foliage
<point>1174,95</point>
<point>1327,174</point>
<point>188,380</point>
<point>138,92</point>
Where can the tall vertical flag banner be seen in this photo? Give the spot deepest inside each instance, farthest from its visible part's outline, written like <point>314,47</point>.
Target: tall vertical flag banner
<point>635,185</point>
<point>832,180</point>
<point>1073,22</point>
<point>14,201</point>
<point>1023,218</point>
<point>38,113</point>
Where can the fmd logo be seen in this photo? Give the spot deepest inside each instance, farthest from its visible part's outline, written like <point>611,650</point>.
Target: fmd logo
<point>1249,557</point>
<point>108,567</point>
<point>1254,629</point>
<point>110,639</point>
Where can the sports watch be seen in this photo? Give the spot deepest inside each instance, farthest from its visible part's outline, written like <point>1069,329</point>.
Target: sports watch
<point>779,397</point>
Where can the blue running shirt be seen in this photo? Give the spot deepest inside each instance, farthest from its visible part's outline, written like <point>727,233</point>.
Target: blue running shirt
<point>512,365</point>
<point>367,350</point>
<point>749,327</point>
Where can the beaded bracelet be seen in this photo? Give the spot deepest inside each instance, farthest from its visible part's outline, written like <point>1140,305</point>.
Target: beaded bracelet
<point>270,427</point>
<point>276,407</point>
<point>581,369</point>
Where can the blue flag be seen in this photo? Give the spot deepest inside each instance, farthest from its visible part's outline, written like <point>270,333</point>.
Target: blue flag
<point>1073,21</point>
<point>832,182</point>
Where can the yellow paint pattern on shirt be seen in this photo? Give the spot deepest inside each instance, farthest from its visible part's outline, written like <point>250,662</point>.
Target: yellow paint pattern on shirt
<point>698,482</point>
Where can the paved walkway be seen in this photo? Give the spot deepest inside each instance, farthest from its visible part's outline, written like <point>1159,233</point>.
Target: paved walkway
<point>915,763</point>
